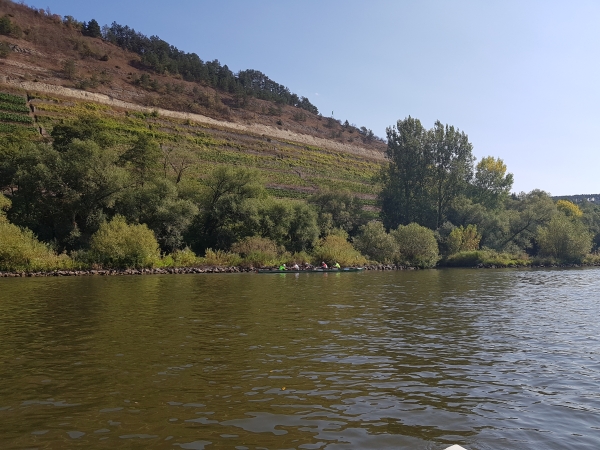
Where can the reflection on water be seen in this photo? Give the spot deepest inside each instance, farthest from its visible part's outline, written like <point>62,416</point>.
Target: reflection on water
<point>488,359</point>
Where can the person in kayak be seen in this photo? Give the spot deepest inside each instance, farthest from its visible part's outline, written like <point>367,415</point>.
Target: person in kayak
<point>295,267</point>
<point>323,265</point>
<point>282,267</point>
<point>337,265</point>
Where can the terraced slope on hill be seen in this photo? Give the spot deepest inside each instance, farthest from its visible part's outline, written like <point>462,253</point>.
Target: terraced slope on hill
<point>14,114</point>
<point>290,169</point>
<point>198,126</point>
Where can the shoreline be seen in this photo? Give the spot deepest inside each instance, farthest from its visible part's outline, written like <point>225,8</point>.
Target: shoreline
<point>235,269</point>
<point>161,271</point>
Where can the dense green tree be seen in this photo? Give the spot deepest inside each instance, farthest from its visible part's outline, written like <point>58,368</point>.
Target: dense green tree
<point>492,224</point>
<point>512,228</point>
<point>374,243</point>
<point>288,223</point>
<point>268,218</point>
<point>491,185</point>
<point>120,245</point>
<point>591,219</point>
<point>5,25</point>
<point>92,29</point>
<point>404,197</point>
<point>304,230</point>
<point>14,148</point>
<point>84,128</point>
<point>143,159</point>
<point>527,212</point>
<point>224,207</point>
<point>338,209</point>
<point>158,205</point>
<point>417,245</point>
<point>427,170</point>
<point>64,194</point>
<point>565,238</point>
<point>430,170</point>
<point>451,167</point>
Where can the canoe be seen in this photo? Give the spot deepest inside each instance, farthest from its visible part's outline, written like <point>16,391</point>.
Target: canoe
<point>317,270</point>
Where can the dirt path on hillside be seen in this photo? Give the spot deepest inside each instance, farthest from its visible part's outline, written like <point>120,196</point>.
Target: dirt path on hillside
<point>256,129</point>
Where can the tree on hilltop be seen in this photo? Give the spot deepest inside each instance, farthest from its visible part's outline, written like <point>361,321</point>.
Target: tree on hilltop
<point>92,29</point>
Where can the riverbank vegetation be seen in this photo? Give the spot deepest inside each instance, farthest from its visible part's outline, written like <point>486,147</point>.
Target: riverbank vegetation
<point>88,199</point>
<point>432,179</point>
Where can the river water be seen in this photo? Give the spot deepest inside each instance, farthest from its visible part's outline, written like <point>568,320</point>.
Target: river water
<point>488,359</point>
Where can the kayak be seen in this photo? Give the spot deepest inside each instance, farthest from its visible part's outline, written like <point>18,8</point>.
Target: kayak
<point>317,270</point>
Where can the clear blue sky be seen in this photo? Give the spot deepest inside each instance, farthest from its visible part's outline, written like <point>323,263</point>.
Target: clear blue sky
<point>521,78</point>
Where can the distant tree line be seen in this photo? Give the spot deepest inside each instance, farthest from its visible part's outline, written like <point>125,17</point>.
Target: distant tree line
<point>163,58</point>
<point>581,198</point>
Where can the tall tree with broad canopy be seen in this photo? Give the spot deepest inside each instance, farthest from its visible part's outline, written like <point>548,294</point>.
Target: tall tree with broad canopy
<point>224,208</point>
<point>427,170</point>
<point>491,185</point>
<point>451,168</point>
<point>404,195</point>
<point>338,209</point>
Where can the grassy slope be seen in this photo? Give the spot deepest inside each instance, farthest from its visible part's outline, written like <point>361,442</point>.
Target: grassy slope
<point>289,169</point>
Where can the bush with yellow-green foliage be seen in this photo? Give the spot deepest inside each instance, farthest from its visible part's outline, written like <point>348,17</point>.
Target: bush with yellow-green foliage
<point>220,258</point>
<point>417,246</point>
<point>257,251</point>
<point>375,243</point>
<point>592,259</point>
<point>181,258</point>
<point>486,257</point>
<point>570,209</point>
<point>21,251</point>
<point>117,244</point>
<point>336,248</point>
<point>565,238</point>
<point>463,239</point>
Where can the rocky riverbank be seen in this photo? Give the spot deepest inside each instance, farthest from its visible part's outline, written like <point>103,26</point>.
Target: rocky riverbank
<point>198,270</point>
<point>161,271</point>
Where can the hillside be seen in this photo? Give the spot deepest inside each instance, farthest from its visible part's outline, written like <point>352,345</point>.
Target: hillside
<point>62,74</point>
